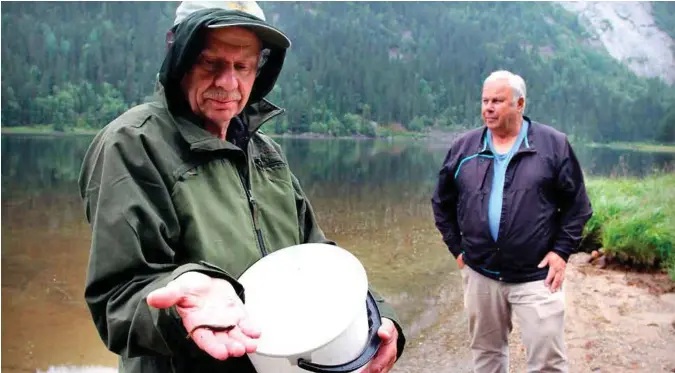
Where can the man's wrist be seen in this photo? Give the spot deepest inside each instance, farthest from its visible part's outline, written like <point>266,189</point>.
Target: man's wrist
<point>564,255</point>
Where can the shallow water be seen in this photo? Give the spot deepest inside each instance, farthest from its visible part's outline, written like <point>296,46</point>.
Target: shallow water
<point>370,197</point>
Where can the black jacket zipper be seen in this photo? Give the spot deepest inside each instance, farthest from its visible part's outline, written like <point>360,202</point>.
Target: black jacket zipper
<point>254,211</point>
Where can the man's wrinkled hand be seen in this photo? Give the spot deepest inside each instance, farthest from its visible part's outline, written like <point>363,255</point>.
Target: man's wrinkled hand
<point>556,270</point>
<point>212,313</point>
<point>385,357</point>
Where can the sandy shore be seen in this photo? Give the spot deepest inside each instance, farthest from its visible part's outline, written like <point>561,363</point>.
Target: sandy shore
<point>617,321</point>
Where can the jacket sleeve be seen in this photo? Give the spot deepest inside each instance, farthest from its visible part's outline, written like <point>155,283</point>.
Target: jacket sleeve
<point>444,204</point>
<point>573,203</point>
<point>134,241</point>
<point>311,233</point>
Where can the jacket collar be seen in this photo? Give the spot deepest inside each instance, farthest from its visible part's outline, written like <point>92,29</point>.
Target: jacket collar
<point>527,145</point>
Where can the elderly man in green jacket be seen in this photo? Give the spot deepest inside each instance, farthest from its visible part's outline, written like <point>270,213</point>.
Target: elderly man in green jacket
<point>184,194</point>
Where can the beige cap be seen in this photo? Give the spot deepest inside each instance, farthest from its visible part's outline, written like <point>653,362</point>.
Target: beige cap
<point>265,32</point>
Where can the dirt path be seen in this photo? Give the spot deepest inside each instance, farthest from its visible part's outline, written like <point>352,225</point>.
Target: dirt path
<point>617,321</point>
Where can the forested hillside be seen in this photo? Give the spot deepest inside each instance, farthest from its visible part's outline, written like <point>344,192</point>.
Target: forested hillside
<point>79,64</point>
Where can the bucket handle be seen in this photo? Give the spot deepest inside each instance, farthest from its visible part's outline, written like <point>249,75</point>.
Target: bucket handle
<point>369,351</point>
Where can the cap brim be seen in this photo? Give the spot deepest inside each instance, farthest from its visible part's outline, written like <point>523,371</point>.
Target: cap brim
<point>267,34</point>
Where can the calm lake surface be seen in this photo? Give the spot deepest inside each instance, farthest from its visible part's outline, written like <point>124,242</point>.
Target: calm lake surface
<point>372,197</point>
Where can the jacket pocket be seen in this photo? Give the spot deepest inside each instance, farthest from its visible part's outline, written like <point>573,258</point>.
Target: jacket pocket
<point>471,214</point>
<point>461,207</point>
<point>272,167</point>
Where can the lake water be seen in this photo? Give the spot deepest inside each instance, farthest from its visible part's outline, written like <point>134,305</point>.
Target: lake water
<point>372,197</point>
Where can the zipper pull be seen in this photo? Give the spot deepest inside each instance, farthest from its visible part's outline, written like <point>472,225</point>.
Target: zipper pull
<point>254,210</point>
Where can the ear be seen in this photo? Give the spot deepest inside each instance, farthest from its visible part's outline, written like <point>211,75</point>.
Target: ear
<point>520,104</point>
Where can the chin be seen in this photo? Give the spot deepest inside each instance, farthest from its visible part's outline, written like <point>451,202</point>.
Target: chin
<point>220,121</point>
<point>220,116</point>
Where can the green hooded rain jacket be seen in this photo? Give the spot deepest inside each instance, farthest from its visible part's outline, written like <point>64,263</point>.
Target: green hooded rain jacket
<point>164,197</point>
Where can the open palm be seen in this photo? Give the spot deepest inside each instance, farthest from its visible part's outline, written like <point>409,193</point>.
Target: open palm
<point>212,313</point>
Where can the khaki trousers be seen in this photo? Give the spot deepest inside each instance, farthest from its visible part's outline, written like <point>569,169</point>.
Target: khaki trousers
<point>489,304</point>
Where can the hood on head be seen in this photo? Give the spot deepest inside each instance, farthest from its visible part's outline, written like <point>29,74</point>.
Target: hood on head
<point>189,39</point>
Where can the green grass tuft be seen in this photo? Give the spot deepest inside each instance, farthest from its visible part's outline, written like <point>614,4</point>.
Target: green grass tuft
<point>634,219</point>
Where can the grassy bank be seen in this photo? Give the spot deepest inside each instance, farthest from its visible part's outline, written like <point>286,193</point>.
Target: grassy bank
<point>637,146</point>
<point>49,130</point>
<point>634,220</point>
<point>45,130</point>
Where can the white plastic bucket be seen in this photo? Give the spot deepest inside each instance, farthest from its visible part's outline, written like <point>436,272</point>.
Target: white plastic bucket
<point>312,305</point>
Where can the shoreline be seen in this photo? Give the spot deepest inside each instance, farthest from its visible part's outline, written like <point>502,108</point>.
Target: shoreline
<point>27,131</point>
<point>7,131</point>
<point>433,136</point>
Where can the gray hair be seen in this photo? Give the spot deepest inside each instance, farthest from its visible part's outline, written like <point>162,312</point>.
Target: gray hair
<point>516,82</point>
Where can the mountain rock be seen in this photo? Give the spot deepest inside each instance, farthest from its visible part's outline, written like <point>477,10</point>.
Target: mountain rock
<point>628,31</point>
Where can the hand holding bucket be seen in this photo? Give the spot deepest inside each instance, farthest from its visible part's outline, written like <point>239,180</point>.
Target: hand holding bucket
<point>312,305</point>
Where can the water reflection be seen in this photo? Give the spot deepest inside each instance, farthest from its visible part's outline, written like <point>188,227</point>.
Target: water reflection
<point>623,163</point>
<point>41,163</point>
<point>372,197</point>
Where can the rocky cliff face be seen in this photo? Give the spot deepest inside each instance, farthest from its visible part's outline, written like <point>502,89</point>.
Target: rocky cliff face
<point>628,32</point>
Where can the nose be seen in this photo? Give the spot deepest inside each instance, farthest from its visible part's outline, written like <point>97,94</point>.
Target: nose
<point>227,79</point>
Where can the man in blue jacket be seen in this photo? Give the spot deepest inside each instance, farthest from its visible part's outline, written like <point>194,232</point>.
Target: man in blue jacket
<point>511,205</point>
